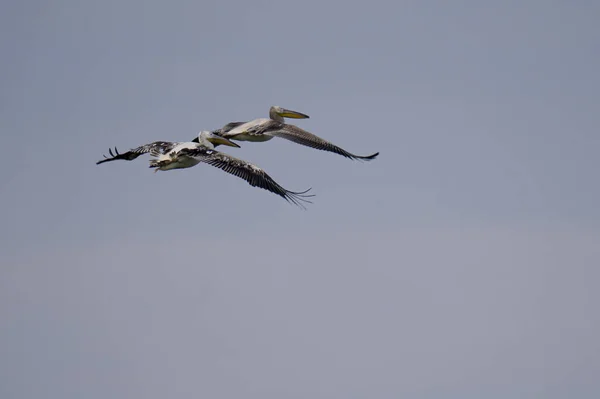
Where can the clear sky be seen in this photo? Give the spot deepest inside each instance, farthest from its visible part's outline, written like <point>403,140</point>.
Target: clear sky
<point>462,263</point>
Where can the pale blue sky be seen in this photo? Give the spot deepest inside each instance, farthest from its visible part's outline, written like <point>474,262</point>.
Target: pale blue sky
<point>462,263</point>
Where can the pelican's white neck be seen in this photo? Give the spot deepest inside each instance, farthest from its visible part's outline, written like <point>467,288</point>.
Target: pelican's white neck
<point>203,140</point>
<point>274,114</point>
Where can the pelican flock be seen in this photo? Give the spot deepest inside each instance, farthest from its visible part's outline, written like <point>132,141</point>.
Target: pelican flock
<point>169,155</point>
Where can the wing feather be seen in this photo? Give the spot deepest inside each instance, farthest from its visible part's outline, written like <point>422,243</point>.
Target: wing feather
<point>301,136</point>
<point>228,127</point>
<point>298,136</point>
<point>254,175</point>
<point>155,148</point>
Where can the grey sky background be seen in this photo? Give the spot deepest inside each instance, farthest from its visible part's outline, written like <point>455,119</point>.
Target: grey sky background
<point>462,263</point>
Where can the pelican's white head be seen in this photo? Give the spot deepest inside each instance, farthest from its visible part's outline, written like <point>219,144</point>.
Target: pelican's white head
<point>277,113</point>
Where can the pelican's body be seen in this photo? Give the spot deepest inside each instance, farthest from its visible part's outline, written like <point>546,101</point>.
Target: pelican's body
<point>181,155</point>
<point>165,152</point>
<point>170,160</point>
<point>263,129</point>
<point>243,132</point>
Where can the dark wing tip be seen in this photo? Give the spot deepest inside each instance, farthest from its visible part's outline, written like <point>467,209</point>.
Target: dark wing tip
<point>359,157</point>
<point>298,198</point>
<point>301,193</point>
<point>369,157</point>
<point>106,159</point>
<point>114,155</point>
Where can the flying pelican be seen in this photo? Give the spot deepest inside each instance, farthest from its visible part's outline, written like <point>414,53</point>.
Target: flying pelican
<point>180,155</point>
<point>206,139</point>
<point>263,129</point>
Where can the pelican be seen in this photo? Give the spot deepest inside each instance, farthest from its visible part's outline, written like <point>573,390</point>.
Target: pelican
<point>158,148</point>
<point>264,129</point>
<point>180,155</point>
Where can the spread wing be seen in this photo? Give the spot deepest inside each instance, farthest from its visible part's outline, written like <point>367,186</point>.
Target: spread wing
<point>223,130</point>
<point>254,175</point>
<point>301,136</point>
<point>228,127</point>
<point>158,147</point>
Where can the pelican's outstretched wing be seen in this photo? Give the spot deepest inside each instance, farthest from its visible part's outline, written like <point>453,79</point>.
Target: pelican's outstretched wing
<point>301,136</point>
<point>228,127</point>
<point>223,130</point>
<point>254,175</point>
<point>158,147</point>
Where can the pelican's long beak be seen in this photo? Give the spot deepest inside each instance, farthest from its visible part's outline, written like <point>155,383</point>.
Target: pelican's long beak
<point>288,113</point>
<point>216,140</point>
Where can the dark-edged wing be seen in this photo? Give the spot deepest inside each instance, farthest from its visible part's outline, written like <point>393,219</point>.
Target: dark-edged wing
<point>301,136</point>
<point>158,147</point>
<point>253,130</point>
<point>254,175</point>
<point>266,127</point>
<point>223,130</point>
<point>227,127</point>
